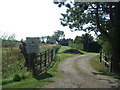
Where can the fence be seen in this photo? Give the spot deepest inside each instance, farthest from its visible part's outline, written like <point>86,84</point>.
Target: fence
<point>44,60</point>
<point>104,58</point>
<point>38,63</point>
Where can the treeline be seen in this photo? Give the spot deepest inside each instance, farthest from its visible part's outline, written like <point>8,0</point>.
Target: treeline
<point>57,38</point>
<point>9,40</point>
<point>86,42</point>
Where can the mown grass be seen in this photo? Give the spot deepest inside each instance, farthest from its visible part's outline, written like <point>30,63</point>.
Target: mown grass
<point>40,81</point>
<point>99,67</point>
<point>63,48</point>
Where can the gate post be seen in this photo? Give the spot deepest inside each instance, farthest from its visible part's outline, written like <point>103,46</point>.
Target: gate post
<point>100,55</point>
<point>31,63</point>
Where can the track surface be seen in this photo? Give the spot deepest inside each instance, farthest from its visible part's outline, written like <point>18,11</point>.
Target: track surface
<point>76,72</point>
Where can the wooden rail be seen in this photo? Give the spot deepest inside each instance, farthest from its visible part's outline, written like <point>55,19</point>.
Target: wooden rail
<point>44,60</point>
<point>104,58</point>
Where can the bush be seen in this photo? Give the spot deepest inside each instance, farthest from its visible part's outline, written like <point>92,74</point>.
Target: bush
<point>17,77</point>
<point>75,45</point>
<point>26,75</point>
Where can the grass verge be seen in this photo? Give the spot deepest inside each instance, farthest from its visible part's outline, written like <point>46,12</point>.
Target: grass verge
<point>40,81</point>
<point>63,48</point>
<point>99,67</point>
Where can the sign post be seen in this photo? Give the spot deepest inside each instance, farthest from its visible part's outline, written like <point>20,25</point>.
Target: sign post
<point>32,48</point>
<point>32,45</point>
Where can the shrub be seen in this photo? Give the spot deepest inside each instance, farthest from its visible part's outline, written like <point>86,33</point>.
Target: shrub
<point>26,75</point>
<point>17,77</point>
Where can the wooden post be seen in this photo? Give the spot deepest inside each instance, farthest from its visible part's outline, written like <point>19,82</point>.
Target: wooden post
<point>52,55</point>
<point>101,56</point>
<point>31,61</point>
<point>48,56</point>
<point>40,62</point>
<point>105,59</point>
<point>111,58</point>
<point>45,61</point>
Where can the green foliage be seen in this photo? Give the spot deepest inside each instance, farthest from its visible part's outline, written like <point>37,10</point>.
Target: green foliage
<point>10,55</point>
<point>76,45</point>
<point>106,47</point>
<point>86,43</point>
<point>16,67</point>
<point>64,42</point>
<point>93,15</point>
<point>99,67</point>
<point>5,81</point>
<point>55,37</point>
<point>16,77</point>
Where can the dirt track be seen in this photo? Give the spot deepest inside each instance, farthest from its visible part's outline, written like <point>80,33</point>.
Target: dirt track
<point>76,72</point>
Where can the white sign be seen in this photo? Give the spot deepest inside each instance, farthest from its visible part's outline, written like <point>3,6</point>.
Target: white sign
<point>32,44</point>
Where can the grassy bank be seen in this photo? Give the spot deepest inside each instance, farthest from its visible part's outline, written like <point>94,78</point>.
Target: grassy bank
<point>40,81</point>
<point>99,67</point>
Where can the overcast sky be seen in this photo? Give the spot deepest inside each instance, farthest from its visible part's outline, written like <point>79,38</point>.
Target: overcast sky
<point>31,18</point>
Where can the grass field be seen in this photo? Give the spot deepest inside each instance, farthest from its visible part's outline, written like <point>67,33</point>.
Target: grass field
<point>40,81</point>
<point>99,67</point>
<point>63,48</point>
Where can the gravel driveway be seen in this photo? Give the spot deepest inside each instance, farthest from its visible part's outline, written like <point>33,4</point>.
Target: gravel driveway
<point>76,72</point>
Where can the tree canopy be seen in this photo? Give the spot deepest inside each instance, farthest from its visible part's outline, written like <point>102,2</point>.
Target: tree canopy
<point>98,17</point>
<point>88,43</point>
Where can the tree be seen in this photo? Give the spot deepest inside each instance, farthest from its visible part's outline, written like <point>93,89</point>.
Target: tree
<point>87,42</point>
<point>86,39</point>
<point>8,40</point>
<point>102,18</point>
<point>43,39</point>
<point>12,37</point>
<point>64,42</point>
<point>58,35</point>
<point>49,39</point>
<point>4,36</point>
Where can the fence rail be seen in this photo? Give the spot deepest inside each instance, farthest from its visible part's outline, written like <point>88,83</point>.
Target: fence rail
<point>44,60</point>
<point>104,58</point>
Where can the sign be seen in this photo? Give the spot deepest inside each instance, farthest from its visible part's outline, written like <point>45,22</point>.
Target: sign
<point>32,45</point>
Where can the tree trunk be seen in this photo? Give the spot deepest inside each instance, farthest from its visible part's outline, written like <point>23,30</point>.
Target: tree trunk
<point>115,60</point>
